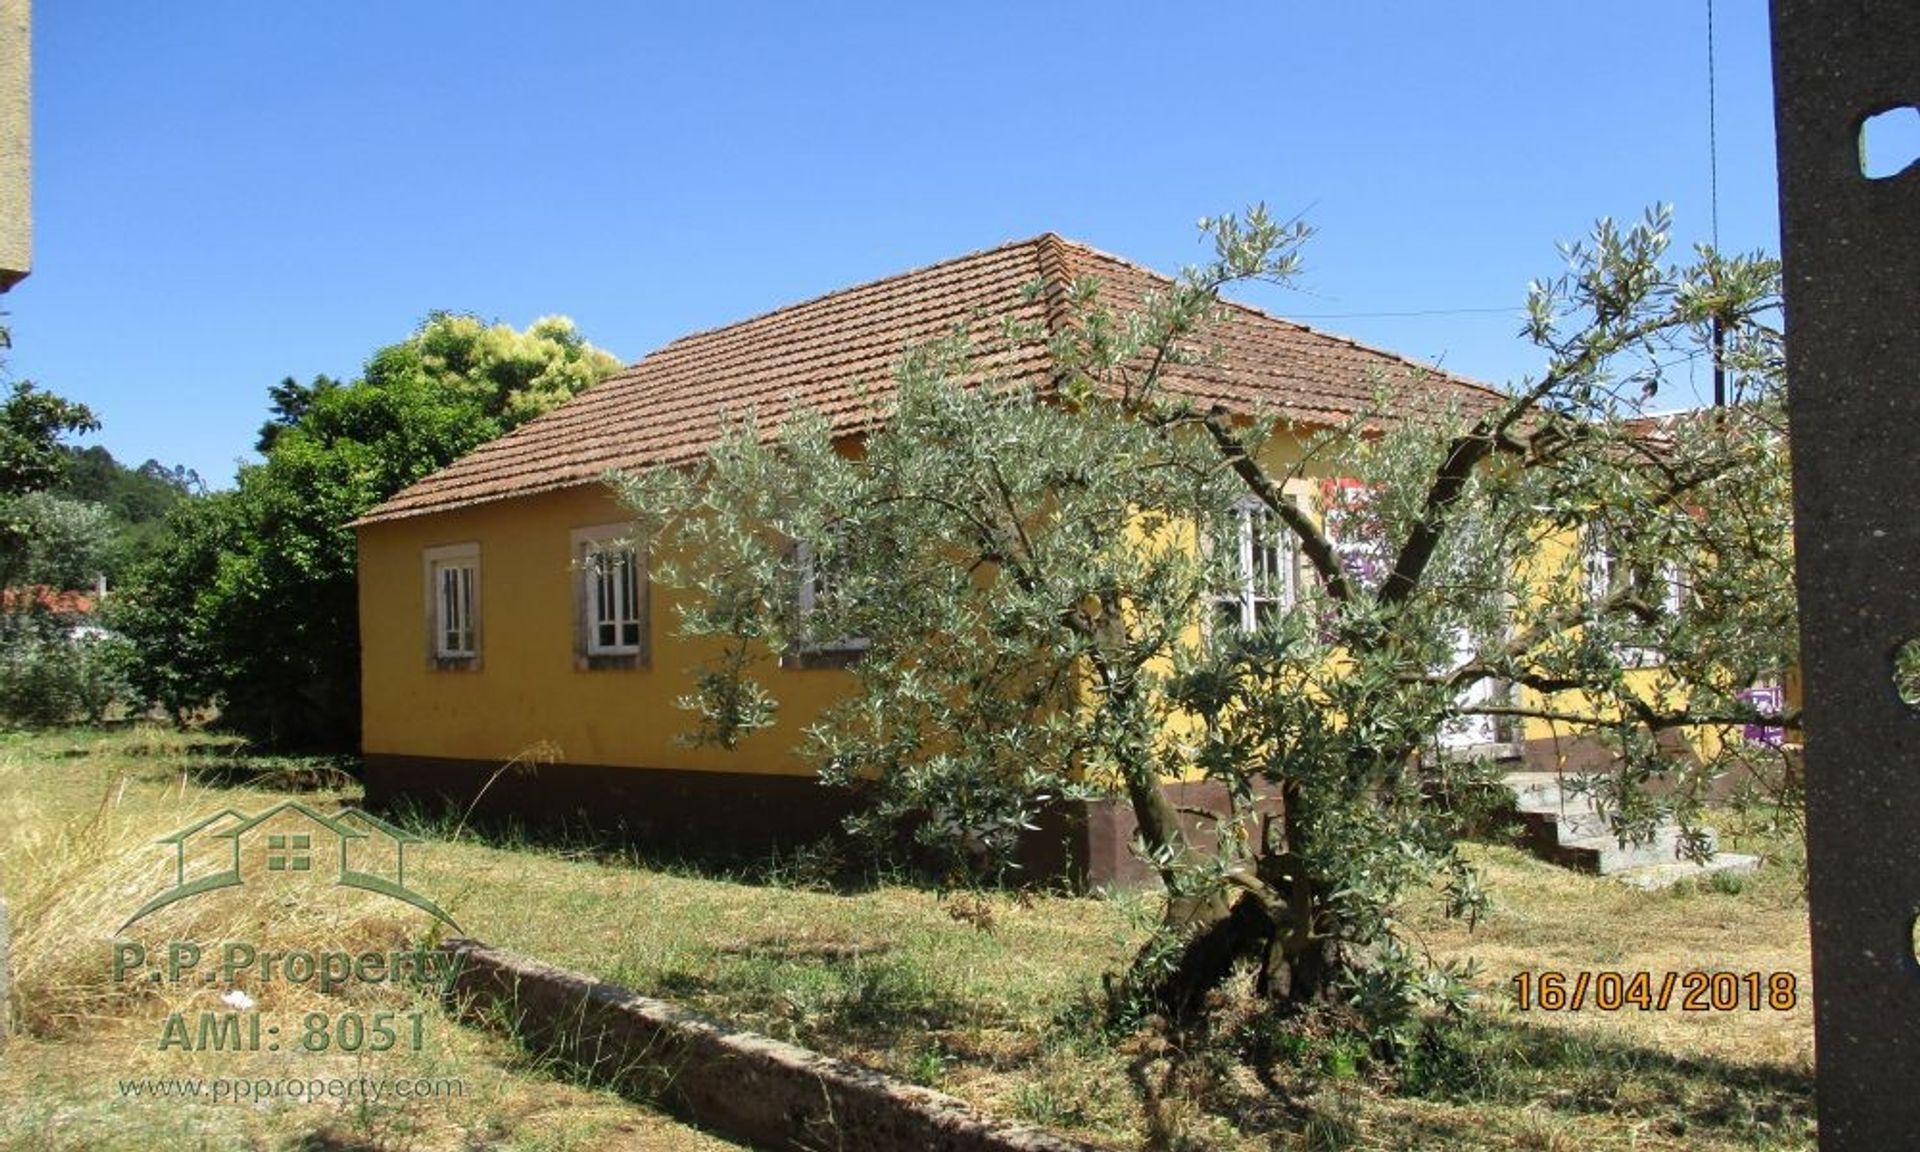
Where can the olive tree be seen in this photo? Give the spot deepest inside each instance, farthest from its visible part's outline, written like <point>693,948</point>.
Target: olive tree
<point>1022,583</point>
<point>1559,559</point>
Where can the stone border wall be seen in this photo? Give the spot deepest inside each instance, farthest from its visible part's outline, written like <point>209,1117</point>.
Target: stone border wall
<point>738,1084</point>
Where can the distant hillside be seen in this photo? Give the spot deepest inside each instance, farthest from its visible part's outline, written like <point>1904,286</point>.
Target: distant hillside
<point>137,499</point>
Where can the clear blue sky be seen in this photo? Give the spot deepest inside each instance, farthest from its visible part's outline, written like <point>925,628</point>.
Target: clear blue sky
<point>230,193</point>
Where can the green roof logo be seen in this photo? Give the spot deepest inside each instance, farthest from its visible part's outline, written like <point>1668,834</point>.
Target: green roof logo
<point>353,848</point>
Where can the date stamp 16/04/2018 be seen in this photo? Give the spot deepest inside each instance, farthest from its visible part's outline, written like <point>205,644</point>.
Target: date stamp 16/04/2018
<point>1610,990</point>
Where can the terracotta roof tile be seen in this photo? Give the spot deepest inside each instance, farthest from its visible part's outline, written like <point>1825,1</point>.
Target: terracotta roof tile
<point>58,601</point>
<point>821,354</point>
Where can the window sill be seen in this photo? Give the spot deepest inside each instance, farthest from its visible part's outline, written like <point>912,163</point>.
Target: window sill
<point>1635,659</point>
<point>611,662</point>
<point>1496,750</point>
<point>454,664</point>
<point>813,656</point>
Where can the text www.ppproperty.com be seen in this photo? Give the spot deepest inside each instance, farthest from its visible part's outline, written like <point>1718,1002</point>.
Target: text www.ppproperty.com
<point>223,1088</point>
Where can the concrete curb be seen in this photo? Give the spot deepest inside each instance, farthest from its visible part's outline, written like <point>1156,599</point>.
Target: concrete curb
<point>737,1084</point>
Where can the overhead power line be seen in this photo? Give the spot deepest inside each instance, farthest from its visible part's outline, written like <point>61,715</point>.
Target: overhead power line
<point>1414,312</point>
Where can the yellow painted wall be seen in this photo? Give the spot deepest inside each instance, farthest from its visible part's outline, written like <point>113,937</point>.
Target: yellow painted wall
<point>1557,559</point>
<point>527,688</point>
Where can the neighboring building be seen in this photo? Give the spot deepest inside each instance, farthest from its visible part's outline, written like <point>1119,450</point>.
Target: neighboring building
<point>16,141</point>
<point>486,631</point>
<point>62,602</point>
<point>74,615</point>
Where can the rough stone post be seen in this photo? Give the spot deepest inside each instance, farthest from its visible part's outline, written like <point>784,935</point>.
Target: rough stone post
<point>16,151</point>
<point>6,981</point>
<point>1852,263</point>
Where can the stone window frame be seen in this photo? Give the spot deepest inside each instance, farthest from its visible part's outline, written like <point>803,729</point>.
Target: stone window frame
<point>588,655</point>
<point>1248,596</point>
<point>838,652</point>
<point>435,561</point>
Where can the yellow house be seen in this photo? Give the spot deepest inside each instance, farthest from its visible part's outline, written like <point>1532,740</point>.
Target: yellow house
<point>1589,559</point>
<point>502,616</point>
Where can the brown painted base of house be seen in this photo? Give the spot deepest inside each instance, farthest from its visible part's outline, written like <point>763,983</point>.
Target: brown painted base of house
<point>748,816</point>
<point>737,815</point>
<point>1575,755</point>
<point>1768,769</point>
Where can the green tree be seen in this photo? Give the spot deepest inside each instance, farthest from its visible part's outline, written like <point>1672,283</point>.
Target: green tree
<point>169,611</point>
<point>134,495</point>
<point>290,401</point>
<point>252,604</point>
<point>136,499</point>
<point>43,540</point>
<point>54,541</point>
<point>32,421</point>
<point>1020,568</point>
<point>48,672</point>
<point>32,457</point>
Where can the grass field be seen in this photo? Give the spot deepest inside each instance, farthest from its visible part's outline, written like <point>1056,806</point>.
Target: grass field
<point>993,997</point>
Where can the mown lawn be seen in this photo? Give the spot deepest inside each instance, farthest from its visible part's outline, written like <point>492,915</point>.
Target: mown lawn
<point>993,997</point>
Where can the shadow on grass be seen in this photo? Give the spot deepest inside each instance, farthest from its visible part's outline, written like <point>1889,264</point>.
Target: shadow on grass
<point>330,1139</point>
<point>217,760</point>
<point>833,1000</point>
<point>276,772</point>
<point>833,865</point>
<point>1577,1074</point>
<point>1488,1067</point>
<point>228,766</point>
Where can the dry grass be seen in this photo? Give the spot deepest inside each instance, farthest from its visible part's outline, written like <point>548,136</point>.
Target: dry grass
<point>990,997</point>
<point>1550,919</point>
<point>78,853</point>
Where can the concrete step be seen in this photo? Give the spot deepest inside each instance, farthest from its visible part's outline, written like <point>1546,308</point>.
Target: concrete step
<point>1605,854</point>
<point>1569,829</point>
<point>1650,877</point>
<point>1570,824</point>
<point>1543,791</point>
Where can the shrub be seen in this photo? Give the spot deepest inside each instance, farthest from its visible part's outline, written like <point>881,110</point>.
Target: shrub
<point>54,670</point>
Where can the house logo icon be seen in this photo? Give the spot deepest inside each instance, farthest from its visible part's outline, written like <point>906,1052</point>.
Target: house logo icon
<point>351,847</point>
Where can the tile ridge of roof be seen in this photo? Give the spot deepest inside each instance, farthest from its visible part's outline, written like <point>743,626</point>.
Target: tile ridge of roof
<point>1004,246</point>
<point>1420,365</point>
<point>1055,285</point>
<point>1102,253</point>
<point>1266,315</point>
<point>1053,272</point>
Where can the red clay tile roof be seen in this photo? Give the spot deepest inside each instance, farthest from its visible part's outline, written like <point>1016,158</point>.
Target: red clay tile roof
<point>669,407</point>
<point>58,601</point>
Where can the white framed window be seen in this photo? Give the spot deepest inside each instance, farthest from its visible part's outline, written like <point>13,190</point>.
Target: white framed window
<point>610,591</point>
<point>1471,730</point>
<point>1673,588</point>
<point>1662,587</point>
<point>818,581</point>
<point>453,605</point>
<point>1264,570</point>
